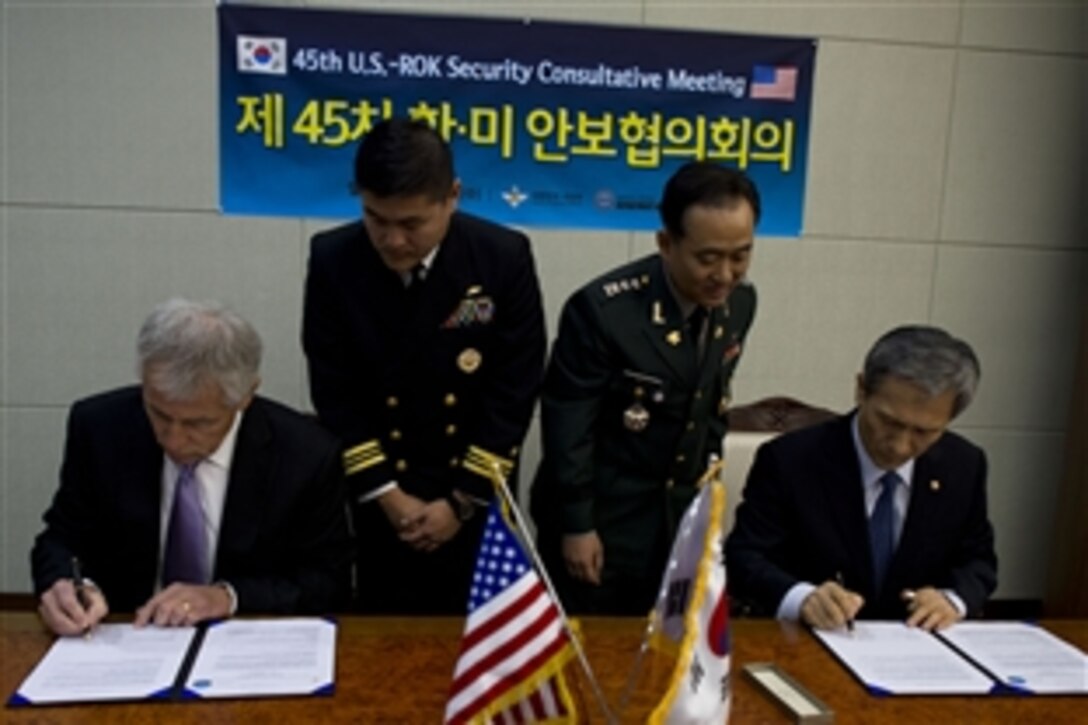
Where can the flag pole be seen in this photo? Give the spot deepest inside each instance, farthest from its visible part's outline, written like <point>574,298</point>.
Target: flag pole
<point>713,470</point>
<point>510,505</point>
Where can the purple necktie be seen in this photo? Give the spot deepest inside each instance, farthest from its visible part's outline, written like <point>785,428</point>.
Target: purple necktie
<point>185,559</point>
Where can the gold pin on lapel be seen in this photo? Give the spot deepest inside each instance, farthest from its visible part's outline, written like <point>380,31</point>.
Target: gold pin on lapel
<point>673,338</point>
<point>934,485</point>
<point>658,318</point>
<point>718,331</point>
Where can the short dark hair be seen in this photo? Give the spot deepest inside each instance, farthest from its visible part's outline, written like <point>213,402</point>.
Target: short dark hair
<point>927,357</point>
<point>399,157</point>
<point>706,183</point>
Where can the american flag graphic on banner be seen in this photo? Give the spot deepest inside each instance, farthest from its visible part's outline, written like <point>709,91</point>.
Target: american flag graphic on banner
<point>514,645</point>
<point>777,83</point>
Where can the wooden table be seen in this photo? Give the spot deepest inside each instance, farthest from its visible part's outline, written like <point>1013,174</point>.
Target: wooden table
<point>398,671</point>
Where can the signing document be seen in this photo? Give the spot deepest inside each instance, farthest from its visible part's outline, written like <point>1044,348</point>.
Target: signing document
<point>891,658</point>
<point>1022,656</point>
<point>231,658</point>
<point>968,658</point>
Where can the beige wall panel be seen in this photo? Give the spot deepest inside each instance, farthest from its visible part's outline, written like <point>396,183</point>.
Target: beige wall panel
<point>1057,26</point>
<point>1022,485</point>
<point>81,282</point>
<point>821,304</point>
<point>35,445</point>
<point>1020,311</point>
<point>879,132</point>
<point>1016,168</point>
<point>111,104</point>
<point>896,20</point>
<point>625,12</point>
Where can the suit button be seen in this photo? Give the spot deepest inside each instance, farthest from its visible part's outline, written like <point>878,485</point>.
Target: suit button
<point>698,394</point>
<point>670,483</point>
<point>690,425</point>
<point>681,458</point>
<point>451,429</point>
<point>513,451</point>
<point>394,435</point>
<point>450,400</point>
<point>402,465</point>
<point>392,401</point>
<point>453,462</point>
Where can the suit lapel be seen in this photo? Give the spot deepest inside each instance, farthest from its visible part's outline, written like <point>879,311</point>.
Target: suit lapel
<point>925,489</point>
<point>847,500</point>
<point>251,469</point>
<point>716,337</point>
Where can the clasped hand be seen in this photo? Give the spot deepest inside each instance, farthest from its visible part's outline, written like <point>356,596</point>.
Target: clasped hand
<point>423,525</point>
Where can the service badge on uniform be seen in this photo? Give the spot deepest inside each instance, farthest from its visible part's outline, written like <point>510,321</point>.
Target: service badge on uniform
<point>636,418</point>
<point>469,360</point>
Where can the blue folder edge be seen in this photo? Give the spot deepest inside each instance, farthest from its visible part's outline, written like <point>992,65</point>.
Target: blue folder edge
<point>17,700</point>
<point>327,690</point>
<point>877,691</point>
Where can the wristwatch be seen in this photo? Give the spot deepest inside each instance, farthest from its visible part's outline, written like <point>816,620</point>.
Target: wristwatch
<point>463,508</point>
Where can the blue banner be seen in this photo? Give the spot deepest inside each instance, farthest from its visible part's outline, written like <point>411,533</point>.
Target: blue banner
<point>551,124</point>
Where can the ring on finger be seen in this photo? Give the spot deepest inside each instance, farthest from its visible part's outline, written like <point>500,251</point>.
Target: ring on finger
<point>185,607</point>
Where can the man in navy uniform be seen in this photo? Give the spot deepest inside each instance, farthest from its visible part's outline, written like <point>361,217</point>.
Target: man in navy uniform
<point>637,391</point>
<point>424,334</point>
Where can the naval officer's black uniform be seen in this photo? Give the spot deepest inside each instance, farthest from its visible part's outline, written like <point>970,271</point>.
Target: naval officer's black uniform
<point>427,386</point>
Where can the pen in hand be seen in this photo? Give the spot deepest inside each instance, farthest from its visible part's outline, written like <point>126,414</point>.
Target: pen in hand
<point>842,583</point>
<point>81,589</point>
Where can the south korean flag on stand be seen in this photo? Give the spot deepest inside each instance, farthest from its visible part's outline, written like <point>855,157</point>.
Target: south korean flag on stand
<point>262,55</point>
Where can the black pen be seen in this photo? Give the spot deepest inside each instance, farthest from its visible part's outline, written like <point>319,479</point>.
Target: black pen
<point>842,583</point>
<point>81,591</point>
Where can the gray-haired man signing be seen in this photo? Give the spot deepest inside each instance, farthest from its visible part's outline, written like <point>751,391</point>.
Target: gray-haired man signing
<point>188,497</point>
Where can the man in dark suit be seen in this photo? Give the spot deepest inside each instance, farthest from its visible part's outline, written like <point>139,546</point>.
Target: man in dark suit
<point>880,514</point>
<point>424,334</point>
<point>637,391</point>
<point>188,497</point>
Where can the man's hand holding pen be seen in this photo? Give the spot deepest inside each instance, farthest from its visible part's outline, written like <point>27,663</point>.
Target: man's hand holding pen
<point>72,606</point>
<point>929,609</point>
<point>831,606</point>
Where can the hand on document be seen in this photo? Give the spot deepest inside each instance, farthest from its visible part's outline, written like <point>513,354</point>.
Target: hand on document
<point>830,606</point>
<point>929,609</point>
<point>68,612</point>
<point>182,605</point>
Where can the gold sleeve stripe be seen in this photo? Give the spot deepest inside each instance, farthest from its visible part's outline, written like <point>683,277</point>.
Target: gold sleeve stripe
<point>362,456</point>
<point>483,463</point>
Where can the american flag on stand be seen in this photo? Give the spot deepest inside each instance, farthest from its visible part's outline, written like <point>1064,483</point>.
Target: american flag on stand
<point>514,645</point>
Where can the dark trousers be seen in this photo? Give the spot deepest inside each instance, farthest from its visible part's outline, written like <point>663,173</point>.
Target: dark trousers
<point>393,578</point>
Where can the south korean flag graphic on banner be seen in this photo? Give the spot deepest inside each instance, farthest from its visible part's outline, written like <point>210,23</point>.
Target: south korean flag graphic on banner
<point>262,55</point>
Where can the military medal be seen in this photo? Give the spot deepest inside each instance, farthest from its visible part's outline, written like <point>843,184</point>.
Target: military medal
<point>718,331</point>
<point>636,418</point>
<point>469,360</point>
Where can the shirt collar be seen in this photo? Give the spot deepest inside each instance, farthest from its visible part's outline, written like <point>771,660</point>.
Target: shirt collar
<point>870,472</point>
<point>686,306</point>
<point>224,454</point>
<point>427,262</point>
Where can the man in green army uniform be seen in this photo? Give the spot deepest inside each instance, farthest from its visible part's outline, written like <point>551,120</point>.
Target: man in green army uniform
<point>636,394</point>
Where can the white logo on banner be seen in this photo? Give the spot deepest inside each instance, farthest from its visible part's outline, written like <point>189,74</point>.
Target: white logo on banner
<point>262,55</point>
